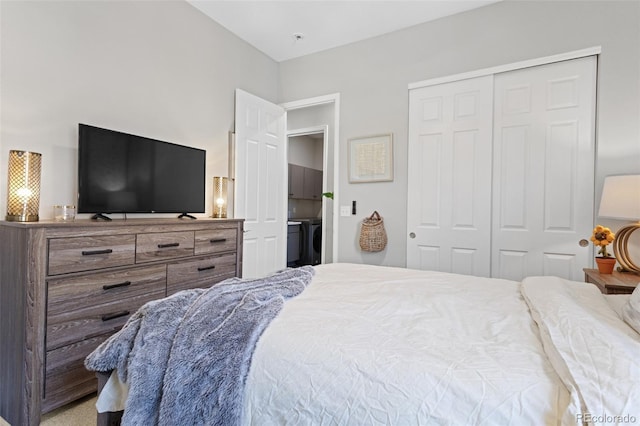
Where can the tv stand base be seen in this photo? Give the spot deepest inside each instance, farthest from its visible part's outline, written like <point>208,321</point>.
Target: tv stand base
<point>187,216</point>
<point>100,216</point>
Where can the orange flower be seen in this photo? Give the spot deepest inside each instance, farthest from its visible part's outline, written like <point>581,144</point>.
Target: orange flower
<point>602,237</point>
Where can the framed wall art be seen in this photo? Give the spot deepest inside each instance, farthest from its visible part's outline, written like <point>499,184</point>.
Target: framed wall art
<point>371,159</point>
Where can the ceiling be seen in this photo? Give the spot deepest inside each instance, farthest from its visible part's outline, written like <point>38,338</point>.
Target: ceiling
<point>289,29</point>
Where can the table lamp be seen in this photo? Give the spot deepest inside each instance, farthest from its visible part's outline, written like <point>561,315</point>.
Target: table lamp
<point>23,188</point>
<point>621,200</point>
<point>220,197</point>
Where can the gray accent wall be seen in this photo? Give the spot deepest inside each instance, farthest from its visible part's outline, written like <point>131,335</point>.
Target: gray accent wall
<point>372,78</point>
<point>160,69</point>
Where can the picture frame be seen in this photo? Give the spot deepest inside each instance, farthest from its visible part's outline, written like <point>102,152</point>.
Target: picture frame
<point>371,158</point>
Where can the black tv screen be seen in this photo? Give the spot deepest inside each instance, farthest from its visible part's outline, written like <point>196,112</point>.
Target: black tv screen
<point>124,173</point>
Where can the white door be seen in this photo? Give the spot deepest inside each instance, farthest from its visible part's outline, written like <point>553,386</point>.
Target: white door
<point>544,155</point>
<point>261,170</point>
<point>449,177</point>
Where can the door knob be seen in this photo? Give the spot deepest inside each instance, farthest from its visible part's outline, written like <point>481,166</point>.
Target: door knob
<point>583,243</point>
<point>412,235</point>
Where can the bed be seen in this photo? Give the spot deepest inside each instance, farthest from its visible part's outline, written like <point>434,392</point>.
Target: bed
<point>362,344</point>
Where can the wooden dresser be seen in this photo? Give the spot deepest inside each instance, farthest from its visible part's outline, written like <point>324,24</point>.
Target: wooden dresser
<point>67,286</point>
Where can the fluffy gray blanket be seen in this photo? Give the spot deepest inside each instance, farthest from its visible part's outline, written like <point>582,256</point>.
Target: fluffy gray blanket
<point>186,357</point>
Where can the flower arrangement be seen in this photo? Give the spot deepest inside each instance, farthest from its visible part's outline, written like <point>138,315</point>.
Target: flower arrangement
<point>602,237</point>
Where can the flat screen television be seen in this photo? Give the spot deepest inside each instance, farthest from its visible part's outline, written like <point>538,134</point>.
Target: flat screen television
<point>124,173</point>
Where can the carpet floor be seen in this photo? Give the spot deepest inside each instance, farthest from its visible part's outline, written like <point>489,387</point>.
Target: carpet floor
<point>80,413</point>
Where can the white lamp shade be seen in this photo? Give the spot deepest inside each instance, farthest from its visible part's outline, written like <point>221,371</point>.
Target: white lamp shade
<point>621,197</point>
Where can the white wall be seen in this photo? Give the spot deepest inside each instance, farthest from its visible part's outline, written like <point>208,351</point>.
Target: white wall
<point>159,69</point>
<point>372,77</point>
<point>163,70</point>
<point>306,151</point>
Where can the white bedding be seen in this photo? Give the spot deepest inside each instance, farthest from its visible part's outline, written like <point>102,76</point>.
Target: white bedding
<point>617,302</point>
<point>376,345</point>
<point>596,353</point>
<point>370,345</point>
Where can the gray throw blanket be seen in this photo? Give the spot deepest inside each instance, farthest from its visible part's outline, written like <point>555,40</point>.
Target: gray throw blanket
<point>186,358</point>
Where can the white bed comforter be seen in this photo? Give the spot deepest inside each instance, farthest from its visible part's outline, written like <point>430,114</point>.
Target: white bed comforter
<point>370,345</point>
<point>374,345</point>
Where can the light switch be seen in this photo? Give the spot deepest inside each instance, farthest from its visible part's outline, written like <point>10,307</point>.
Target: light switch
<point>345,210</point>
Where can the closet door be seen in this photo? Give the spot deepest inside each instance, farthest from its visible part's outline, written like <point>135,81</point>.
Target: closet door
<point>543,164</point>
<point>449,177</point>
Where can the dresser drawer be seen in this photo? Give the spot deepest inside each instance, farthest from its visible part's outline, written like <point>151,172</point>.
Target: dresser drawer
<point>213,241</point>
<point>66,378</point>
<point>76,254</point>
<point>164,245</point>
<point>82,307</point>
<point>200,273</point>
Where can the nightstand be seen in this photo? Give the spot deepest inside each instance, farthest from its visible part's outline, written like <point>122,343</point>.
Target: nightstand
<point>614,283</point>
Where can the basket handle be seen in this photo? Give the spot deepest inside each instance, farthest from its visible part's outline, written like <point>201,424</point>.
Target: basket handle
<point>375,215</point>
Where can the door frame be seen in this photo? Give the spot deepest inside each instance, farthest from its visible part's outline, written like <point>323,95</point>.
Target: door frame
<point>315,130</point>
<point>334,99</point>
<point>575,54</point>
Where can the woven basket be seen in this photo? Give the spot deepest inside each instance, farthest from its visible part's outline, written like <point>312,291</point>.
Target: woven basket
<point>373,236</point>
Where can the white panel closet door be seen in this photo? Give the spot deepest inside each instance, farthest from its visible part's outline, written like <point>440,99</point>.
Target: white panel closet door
<point>543,162</point>
<point>261,164</point>
<point>449,188</point>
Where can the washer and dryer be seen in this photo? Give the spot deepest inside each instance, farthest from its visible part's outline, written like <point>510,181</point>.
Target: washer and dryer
<point>311,241</point>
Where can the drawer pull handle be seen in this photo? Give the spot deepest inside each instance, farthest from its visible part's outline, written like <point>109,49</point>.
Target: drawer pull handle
<point>206,268</point>
<point>110,286</point>
<point>168,245</point>
<point>217,240</point>
<point>92,252</point>
<point>115,315</point>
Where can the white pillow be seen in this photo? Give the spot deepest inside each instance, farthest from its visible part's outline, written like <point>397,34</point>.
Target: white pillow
<point>631,310</point>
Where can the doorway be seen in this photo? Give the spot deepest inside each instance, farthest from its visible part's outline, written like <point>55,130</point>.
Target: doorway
<point>259,167</point>
<point>319,118</point>
<point>307,158</point>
